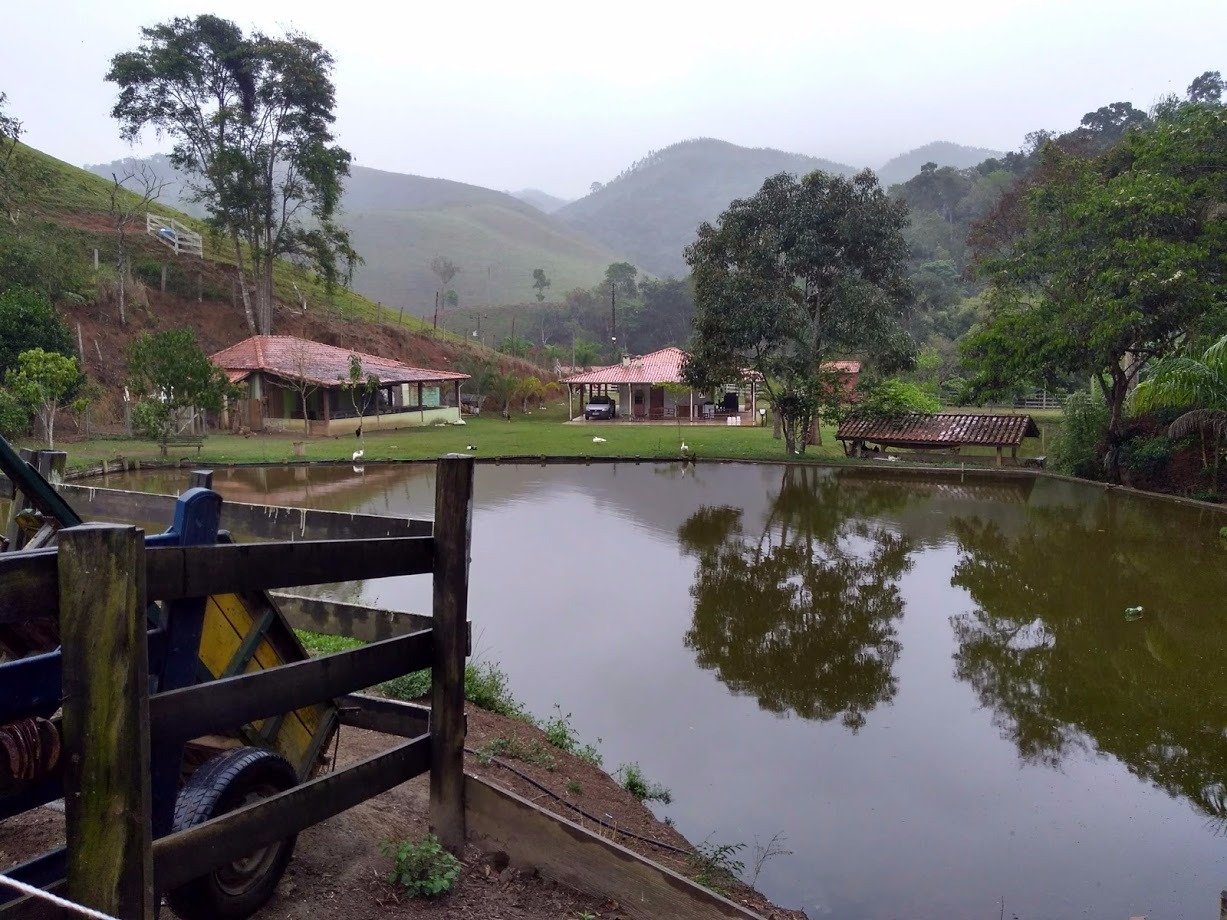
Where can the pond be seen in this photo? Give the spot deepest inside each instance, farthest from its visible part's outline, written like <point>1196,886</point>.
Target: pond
<point>928,687</point>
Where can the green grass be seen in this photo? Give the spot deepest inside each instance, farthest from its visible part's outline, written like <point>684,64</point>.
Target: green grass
<point>541,434</point>
<point>631,777</point>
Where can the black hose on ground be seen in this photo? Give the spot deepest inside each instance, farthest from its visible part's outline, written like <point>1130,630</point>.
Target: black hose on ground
<point>593,818</point>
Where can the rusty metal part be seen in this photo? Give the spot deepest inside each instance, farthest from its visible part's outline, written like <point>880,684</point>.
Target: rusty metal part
<point>31,748</point>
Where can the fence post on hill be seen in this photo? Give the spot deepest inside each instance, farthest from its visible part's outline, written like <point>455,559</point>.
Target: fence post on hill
<point>452,538</point>
<point>107,803</point>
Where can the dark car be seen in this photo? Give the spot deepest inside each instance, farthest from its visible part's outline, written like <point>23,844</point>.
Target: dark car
<point>601,407</point>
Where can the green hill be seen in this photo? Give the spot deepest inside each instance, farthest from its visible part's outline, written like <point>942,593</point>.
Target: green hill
<point>943,153</point>
<point>400,222</point>
<point>651,211</point>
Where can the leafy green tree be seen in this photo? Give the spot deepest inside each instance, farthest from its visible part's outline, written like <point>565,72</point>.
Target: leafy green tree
<point>14,416</point>
<point>42,382</point>
<point>250,118</point>
<point>27,321</point>
<point>363,389</point>
<point>529,389</point>
<point>174,372</point>
<point>517,346</point>
<point>622,276</point>
<point>1184,381</point>
<point>584,353</point>
<point>1118,259</point>
<point>894,399</point>
<point>452,299</point>
<point>445,270</point>
<point>1208,88</point>
<point>540,283</point>
<point>801,273</point>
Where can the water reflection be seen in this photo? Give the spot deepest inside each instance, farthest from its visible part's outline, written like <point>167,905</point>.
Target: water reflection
<point>1049,649</point>
<point>802,613</point>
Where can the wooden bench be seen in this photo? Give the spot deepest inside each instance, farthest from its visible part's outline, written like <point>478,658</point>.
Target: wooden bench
<point>180,440</point>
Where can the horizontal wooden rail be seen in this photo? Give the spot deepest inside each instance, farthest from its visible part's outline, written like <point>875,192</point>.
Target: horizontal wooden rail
<point>392,717</point>
<point>336,618</point>
<point>223,705</point>
<point>197,571</point>
<point>259,522</point>
<point>31,585</point>
<point>191,853</point>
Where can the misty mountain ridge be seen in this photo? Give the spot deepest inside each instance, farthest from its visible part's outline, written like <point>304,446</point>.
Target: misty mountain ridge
<point>542,201</point>
<point>943,153</point>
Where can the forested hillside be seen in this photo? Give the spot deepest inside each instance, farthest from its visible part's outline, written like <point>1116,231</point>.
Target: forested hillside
<point>649,213</point>
<point>943,153</point>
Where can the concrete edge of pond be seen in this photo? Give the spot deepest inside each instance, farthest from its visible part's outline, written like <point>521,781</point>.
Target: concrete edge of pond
<point>574,856</point>
<point>864,466</point>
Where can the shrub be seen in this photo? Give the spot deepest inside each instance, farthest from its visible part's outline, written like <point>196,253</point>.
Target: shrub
<point>149,417</point>
<point>1078,447</point>
<point>14,417</point>
<point>1147,457</point>
<point>560,733</point>
<point>893,398</point>
<point>633,781</point>
<point>485,686</point>
<point>425,869</point>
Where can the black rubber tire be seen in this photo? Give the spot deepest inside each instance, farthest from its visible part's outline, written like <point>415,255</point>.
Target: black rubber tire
<point>223,784</point>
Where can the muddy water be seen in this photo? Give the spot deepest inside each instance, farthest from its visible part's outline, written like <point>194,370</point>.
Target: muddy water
<point>930,689</point>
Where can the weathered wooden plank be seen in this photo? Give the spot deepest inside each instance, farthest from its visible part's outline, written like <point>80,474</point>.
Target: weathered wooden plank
<point>453,534</point>
<point>257,522</point>
<point>392,717</point>
<point>6,488</point>
<point>107,801</point>
<point>223,705</point>
<point>336,618</point>
<point>196,571</point>
<point>31,588</point>
<point>189,854</point>
<point>573,856</point>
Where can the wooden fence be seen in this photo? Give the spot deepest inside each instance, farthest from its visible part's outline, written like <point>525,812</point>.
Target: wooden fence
<point>99,582</point>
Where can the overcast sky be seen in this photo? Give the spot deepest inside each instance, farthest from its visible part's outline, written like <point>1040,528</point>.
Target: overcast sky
<point>556,95</point>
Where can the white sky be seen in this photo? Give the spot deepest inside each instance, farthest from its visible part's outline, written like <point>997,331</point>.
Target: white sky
<point>557,94</point>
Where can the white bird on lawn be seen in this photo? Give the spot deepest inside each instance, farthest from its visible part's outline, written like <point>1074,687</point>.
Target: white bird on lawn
<point>685,450</point>
<point>471,447</point>
<point>598,440</point>
<point>358,454</point>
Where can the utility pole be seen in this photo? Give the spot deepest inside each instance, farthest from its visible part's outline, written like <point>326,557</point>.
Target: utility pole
<point>613,316</point>
<point>436,311</point>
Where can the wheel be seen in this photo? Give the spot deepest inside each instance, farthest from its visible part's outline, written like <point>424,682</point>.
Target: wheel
<point>230,781</point>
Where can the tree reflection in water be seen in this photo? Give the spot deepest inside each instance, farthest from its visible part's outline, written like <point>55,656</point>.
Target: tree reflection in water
<point>802,616</point>
<point>1048,647</point>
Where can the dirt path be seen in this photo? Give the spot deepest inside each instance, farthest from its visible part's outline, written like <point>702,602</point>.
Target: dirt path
<point>338,869</point>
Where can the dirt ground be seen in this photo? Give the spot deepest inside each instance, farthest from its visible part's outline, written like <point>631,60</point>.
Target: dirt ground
<point>339,871</point>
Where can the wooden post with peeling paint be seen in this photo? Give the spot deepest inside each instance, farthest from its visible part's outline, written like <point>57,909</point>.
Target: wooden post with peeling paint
<point>452,537</point>
<point>107,806</point>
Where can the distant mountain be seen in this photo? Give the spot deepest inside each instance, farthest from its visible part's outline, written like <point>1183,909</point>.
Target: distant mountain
<point>943,153</point>
<point>399,223</point>
<point>542,201</point>
<point>651,211</point>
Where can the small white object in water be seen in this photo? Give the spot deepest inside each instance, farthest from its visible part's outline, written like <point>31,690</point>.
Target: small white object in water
<point>598,440</point>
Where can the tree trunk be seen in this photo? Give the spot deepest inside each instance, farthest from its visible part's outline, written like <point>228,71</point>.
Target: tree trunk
<point>306,422</point>
<point>49,425</point>
<point>1116,400</point>
<point>776,423</point>
<point>251,317</point>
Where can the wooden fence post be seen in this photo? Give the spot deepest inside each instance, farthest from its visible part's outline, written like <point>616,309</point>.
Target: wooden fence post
<point>107,806</point>
<point>452,536</point>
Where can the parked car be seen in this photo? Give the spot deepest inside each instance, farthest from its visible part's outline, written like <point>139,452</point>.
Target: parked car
<point>601,407</point>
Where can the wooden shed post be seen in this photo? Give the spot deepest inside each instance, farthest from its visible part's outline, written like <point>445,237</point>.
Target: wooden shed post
<point>107,808</point>
<point>999,455</point>
<point>452,537</point>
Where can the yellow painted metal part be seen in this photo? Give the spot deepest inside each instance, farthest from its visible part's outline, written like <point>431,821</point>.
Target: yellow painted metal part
<point>228,620</point>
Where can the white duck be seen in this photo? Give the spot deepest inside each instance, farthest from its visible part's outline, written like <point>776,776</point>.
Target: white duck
<point>358,455</point>
<point>598,440</point>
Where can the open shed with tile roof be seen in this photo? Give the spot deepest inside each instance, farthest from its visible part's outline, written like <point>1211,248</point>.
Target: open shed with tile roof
<point>290,378</point>
<point>942,432</point>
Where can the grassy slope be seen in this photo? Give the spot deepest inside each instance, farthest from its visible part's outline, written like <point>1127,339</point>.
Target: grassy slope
<point>400,222</point>
<point>540,434</point>
<point>77,198</point>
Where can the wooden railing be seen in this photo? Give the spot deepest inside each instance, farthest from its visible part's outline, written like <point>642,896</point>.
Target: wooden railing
<point>99,582</point>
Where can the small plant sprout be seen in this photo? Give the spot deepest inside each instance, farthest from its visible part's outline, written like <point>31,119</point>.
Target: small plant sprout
<point>633,781</point>
<point>425,869</point>
<point>717,866</point>
<point>774,847</point>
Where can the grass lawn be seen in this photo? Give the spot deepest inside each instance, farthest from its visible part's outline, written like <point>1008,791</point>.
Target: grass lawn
<point>540,434</point>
